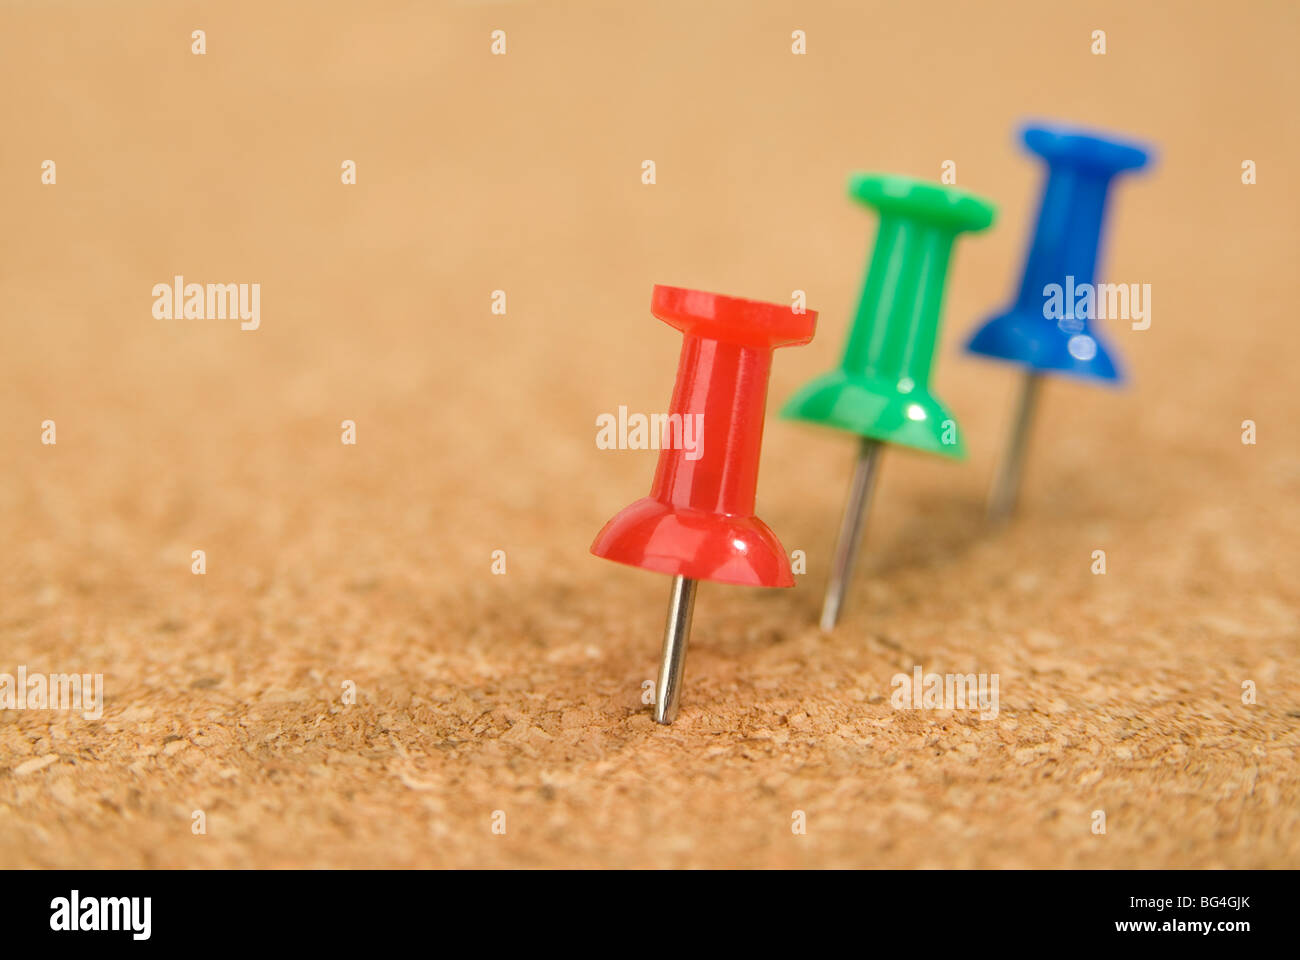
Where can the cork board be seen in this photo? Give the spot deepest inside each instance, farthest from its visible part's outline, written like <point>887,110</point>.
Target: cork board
<point>368,566</point>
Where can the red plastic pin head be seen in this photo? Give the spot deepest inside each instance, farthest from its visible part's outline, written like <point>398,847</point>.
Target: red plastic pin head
<point>698,521</point>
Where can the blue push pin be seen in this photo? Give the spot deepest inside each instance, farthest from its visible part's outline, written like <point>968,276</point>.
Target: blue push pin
<point>1035,332</point>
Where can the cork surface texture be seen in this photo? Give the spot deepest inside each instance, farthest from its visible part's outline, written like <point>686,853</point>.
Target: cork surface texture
<point>513,702</point>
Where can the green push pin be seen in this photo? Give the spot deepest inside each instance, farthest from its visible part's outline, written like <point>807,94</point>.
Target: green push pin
<point>881,390</point>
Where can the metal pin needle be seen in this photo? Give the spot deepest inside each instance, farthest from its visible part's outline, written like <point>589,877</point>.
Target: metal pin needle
<point>677,631</point>
<point>846,546</point>
<point>1006,486</point>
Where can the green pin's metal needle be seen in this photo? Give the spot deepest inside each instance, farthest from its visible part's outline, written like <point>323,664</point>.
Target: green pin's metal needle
<point>850,538</point>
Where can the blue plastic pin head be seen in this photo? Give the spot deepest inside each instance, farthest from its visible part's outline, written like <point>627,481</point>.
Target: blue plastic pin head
<point>1049,328</point>
<point>1043,330</point>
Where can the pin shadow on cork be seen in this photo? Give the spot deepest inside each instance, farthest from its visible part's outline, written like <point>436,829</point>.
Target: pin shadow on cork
<point>1063,254</point>
<point>698,522</point>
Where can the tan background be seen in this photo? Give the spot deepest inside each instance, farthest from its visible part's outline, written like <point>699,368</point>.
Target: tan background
<point>329,563</point>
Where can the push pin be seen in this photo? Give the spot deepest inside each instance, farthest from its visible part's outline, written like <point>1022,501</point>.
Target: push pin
<point>881,391</point>
<point>1062,262</point>
<point>698,522</point>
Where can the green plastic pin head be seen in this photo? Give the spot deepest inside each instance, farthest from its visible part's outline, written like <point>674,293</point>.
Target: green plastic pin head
<point>882,387</point>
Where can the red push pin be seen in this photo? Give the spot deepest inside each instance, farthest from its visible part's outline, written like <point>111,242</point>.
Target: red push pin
<point>698,522</point>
